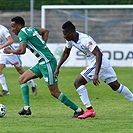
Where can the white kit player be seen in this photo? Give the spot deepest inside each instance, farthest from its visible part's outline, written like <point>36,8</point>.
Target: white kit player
<point>99,67</point>
<point>6,41</point>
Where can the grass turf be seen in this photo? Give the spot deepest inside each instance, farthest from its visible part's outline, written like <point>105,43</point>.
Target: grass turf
<point>114,112</point>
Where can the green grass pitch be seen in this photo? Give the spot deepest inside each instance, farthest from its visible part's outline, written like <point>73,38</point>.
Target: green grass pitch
<point>114,112</point>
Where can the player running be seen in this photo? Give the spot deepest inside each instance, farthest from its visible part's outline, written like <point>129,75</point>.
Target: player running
<point>7,41</point>
<point>99,67</point>
<point>35,40</point>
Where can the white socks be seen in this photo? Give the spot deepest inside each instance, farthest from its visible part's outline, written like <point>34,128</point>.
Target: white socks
<point>4,85</point>
<point>32,83</point>
<point>82,91</point>
<point>84,96</point>
<point>3,82</point>
<point>26,107</point>
<point>79,110</point>
<point>125,92</point>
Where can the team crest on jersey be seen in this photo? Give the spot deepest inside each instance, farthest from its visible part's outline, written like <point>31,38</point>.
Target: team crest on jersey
<point>20,39</point>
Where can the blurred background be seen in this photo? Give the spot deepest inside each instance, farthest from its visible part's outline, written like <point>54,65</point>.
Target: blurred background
<point>112,27</point>
<point>106,26</point>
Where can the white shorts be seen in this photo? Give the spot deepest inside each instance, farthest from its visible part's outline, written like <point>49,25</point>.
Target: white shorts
<point>12,59</point>
<point>106,74</point>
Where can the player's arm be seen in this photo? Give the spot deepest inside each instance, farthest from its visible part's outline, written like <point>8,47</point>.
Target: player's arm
<point>44,33</point>
<point>8,42</point>
<point>64,56</point>
<point>98,55</point>
<point>20,50</point>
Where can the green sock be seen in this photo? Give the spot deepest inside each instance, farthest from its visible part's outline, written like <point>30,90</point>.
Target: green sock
<point>25,93</point>
<point>64,99</point>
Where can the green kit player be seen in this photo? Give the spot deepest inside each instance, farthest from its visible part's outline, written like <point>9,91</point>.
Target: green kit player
<point>35,40</point>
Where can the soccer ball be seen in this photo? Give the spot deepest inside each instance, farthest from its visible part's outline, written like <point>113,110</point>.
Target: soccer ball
<point>2,110</point>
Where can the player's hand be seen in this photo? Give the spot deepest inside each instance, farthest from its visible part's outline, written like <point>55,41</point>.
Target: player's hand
<point>7,50</point>
<point>96,82</point>
<point>56,73</point>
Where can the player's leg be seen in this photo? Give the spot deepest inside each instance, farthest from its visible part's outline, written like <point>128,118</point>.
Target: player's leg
<point>2,77</point>
<point>120,88</point>
<point>82,91</point>
<point>48,73</point>
<point>16,61</point>
<point>109,77</point>
<point>34,72</point>
<point>85,76</point>
<point>21,70</point>
<point>64,99</point>
<point>27,75</point>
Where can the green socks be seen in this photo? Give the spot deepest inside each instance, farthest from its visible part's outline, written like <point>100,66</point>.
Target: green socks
<point>64,99</point>
<point>25,93</point>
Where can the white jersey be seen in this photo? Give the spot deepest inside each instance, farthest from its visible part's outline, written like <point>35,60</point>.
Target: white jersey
<point>85,44</point>
<point>4,34</point>
<point>7,58</point>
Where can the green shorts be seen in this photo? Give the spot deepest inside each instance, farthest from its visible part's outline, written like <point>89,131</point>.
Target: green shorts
<point>46,70</point>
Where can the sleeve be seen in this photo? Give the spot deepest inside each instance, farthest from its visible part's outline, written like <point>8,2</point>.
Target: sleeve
<point>37,29</point>
<point>89,43</point>
<point>6,32</point>
<point>22,37</point>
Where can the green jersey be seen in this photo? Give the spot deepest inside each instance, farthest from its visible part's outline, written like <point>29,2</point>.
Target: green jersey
<point>35,43</point>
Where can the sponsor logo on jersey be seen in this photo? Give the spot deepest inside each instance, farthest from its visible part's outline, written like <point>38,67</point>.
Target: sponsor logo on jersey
<point>90,43</point>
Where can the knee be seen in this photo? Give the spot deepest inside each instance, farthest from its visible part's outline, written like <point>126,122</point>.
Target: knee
<point>76,84</point>
<point>20,72</point>
<point>20,80</point>
<point>79,81</point>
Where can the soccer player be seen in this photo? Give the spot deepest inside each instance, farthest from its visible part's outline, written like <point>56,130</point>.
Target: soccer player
<point>99,67</point>
<point>7,41</point>
<point>35,40</point>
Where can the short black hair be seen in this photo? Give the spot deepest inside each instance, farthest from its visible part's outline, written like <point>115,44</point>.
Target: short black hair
<point>18,20</point>
<point>68,26</point>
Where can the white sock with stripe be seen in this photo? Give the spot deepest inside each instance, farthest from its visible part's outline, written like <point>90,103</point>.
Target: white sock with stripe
<point>3,82</point>
<point>126,92</point>
<point>32,83</point>
<point>82,91</point>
